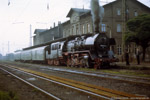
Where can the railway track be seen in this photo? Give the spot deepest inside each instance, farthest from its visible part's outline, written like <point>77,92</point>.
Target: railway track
<point>102,75</point>
<point>123,78</point>
<point>97,91</point>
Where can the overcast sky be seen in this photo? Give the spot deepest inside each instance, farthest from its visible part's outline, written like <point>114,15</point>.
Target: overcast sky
<point>15,18</point>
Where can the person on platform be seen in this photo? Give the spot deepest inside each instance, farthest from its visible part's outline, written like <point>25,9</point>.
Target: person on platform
<point>111,54</point>
<point>138,56</point>
<point>127,57</point>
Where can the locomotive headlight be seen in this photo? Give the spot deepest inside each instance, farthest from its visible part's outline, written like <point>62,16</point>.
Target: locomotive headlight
<point>85,57</point>
<point>100,55</point>
<point>103,46</point>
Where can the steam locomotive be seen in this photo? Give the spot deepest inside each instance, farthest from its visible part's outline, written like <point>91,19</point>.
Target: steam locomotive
<point>88,50</point>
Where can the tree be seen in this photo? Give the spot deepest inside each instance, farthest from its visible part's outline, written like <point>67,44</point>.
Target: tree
<point>139,31</point>
<point>1,56</point>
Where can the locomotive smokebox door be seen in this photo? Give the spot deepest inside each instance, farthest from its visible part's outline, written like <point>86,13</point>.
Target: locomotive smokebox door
<point>112,41</point>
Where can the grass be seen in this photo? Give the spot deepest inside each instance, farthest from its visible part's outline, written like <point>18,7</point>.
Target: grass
<point>35,90</point>
<point>127,72</point>
<point>8,95</point>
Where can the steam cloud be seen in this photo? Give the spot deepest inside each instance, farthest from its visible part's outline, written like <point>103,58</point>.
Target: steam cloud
<point>96,12</point>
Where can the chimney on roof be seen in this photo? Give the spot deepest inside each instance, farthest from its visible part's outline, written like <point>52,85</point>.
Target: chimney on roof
<point>83,7</point>
<point>59,22</point>
<point>54,24</point>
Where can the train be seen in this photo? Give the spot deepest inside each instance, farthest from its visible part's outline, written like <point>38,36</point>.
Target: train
<point>88,50</point>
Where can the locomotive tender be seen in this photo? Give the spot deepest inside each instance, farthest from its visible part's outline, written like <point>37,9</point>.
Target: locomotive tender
<point>88,50</point>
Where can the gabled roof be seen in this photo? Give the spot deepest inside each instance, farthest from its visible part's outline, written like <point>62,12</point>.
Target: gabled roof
<point>78,10</point>
<point>143,4</point>
<point>111,3</point>
<point>39,30</point>
<point>138,1</point>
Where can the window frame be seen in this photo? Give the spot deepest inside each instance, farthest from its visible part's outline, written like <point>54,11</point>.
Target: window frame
<point>103,27</point>
<point>118,12</point>
<point>135,13</point>
<point>119,49</point>
<point>119,28</point>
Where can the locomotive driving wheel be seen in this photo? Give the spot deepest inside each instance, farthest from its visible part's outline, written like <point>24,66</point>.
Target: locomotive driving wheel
<point>84,63</point>
<point>68,62</point>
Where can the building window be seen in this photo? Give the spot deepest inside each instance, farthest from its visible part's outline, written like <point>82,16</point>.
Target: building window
<point>103,28</point>
<point>118,12</point>
<point>77,30</point>
<point>72,30</point>
<point>135,13</point>
<point>118,28</point>
<point>88,28</point>
<point>127,14</point>
<point>83,29</point>
<point>119,50</point>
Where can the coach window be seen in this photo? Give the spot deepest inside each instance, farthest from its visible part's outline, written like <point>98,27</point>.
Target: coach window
<point>52,47</point>
<point>59,46</point>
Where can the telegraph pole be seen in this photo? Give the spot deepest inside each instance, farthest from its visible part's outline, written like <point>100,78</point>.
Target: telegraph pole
<point>123,24</point>
<point>8,47</point>
<point>30,44</point>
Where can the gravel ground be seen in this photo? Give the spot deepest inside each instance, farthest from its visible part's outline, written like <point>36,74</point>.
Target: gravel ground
<point>22,91</point>
<point>138,89</point>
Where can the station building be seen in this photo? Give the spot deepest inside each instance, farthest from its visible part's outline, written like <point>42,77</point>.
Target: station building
<point>46,35</point>
<point>113,23</point>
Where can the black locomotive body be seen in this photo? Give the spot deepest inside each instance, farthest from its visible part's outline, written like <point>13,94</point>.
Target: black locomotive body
<point>88,51</point>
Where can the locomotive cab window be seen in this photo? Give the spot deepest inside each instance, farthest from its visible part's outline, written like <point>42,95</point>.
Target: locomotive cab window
<point>56,46</point>
<point>59,46</point>
<point>53,47</point>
